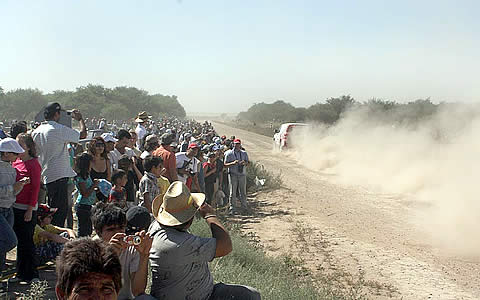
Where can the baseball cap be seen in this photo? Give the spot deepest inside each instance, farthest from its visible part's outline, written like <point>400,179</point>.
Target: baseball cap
<point>108,137</point>
<point>237,141</point>
<point>45,210</point>
<point>211,154</point>
<point>10,145</point>
<point>138,218</point>
<point>193,146</point>
<point>52,107</point>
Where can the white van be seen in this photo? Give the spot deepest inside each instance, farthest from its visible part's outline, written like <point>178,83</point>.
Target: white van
<point>282,136</point>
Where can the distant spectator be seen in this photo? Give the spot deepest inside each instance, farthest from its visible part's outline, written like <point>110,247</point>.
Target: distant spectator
<point>180,259</point>
<point>49,239</point>
<point>88,269</point>
<point>236,160</point>
<point>86,193</point>
<point>165,151</point>
<point>25,209</point>
<point>51,139</point>
<point>110,224</point>
<point>17,128</point>
<point>141,131</point>
<point>210,168</point>
<point>9,188</point>
<point>148,188</point>
<point>118,195</point>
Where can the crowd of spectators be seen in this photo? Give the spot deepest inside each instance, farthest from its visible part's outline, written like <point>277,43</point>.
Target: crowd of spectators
<point>131,193</point>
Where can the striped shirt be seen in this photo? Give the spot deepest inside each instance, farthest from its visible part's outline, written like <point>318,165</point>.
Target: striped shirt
<point>51,140</point>
<point>7,179</point>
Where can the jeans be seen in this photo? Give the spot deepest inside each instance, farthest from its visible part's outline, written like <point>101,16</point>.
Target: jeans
<point>237,182</point>
<point>84,215</point>
<point>57,192</point>
<point>8,239</point>
<point>70,189</point>
<point>230,291</point>
<point>26,267</point>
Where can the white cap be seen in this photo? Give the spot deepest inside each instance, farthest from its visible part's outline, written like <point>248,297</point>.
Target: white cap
<point>10,145</point>
<point>108,137</point>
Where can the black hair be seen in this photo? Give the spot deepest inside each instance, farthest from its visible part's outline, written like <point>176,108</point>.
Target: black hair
<point>122,133</point>
<point>107,215</point>
<point>82,165</point>
<point>85,255</point>
<point>151,161</point>
<point>118,174</point>
<point>17,128</point>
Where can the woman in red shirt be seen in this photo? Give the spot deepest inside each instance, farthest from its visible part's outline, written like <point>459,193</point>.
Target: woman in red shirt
<point>25,209</point>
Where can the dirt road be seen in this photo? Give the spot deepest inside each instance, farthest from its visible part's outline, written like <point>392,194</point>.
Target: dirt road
<point>353,231</point>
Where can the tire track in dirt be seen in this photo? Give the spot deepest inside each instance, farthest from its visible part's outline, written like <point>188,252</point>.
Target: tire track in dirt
<point>354,229</point>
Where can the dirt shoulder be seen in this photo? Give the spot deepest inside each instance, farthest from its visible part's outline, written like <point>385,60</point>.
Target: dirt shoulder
<point>352,234</point>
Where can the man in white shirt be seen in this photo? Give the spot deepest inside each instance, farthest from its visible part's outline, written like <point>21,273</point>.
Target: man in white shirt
<point>187,166</point>
<point>123,139</point>
<point>141,131</point>
<point>51,139</point>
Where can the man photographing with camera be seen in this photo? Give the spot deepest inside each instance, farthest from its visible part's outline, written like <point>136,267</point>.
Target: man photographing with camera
<point>51,139</point>
<point>236,160</point>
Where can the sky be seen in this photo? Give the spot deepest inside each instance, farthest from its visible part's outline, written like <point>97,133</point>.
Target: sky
<point>223,56</point>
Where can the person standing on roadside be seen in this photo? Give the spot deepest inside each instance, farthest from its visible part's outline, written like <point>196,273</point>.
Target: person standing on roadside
<point>25,209</point>
<point>165,151</point>
<point>236,160</point>
<point>51,139</point>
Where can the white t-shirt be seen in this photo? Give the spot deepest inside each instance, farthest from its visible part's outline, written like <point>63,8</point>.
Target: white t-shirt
<point>130,261</point>
<point>51,140</point>
<point>141,131</point>
<point>115,156</point>
<point>190,163</point>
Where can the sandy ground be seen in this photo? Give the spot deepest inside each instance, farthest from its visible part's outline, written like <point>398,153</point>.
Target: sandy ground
<point>364,235</point>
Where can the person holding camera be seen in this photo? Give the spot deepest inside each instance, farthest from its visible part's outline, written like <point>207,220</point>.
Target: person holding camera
<point>187,166</point>
<point>236,161</point>
<point>51,138</point>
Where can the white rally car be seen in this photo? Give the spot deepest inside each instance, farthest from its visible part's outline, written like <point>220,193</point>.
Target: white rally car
<point>283,136</point>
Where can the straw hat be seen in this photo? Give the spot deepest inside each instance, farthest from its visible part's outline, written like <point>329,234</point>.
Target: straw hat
<point>177,206</point>
<point>142,117</point>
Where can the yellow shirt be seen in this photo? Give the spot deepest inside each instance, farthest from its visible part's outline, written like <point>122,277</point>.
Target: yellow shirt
<point>163,184</point>
<point>38,239</point>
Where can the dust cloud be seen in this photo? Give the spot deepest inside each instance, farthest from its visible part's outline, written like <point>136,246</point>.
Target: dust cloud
<point>434,164</point>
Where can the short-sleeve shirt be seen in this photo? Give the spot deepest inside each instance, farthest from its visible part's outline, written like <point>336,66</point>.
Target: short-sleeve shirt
<point>169,161</point>
<point>90,200</point>
<point>117,195</point>
<point>115,155</point>
<point>179,263</point>
<point>38,240</point>
<point>130,261</point>
<point>51,139</point>
<point>148,184</point>
<point>232,155</point>
<point>183,161</point>
<point>207,168</point>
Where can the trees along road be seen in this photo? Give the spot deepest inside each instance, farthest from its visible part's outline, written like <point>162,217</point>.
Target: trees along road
<point>337,227</point>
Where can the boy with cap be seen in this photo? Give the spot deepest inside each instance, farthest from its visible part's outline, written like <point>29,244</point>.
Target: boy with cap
<point>9,188</point>
<point>51,139</point>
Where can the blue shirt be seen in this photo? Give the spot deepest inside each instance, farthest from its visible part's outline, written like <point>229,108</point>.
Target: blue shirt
<point>232,155</point>
<point>90,200</point>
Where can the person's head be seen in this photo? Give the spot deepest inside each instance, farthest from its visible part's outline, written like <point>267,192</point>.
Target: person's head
<point>192,150</point>
<point>133,138</point>
<point>98,146</point>
<point>45,214</point>
<point>167,139</point>
<point>83,165</point>
<point>153,164</point>
<point>123,137</point>
<point>27,143</point>
<point>211,157</point>
<point>151,143</point>
<point>88,269</point>
<point>119,178</point>
<point>17,128</point>
<point>237,144</point>
<point>10,149</point>
<point>108,220</point>
<point>124,163</point>
<point>52,111</point>
<point>138,219</point>
<point>109,141</point>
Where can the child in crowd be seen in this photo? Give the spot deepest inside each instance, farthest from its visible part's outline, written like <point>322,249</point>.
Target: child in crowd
<point>210,168</point>
<point>49,239</point>
<point>126,164</point>
<point>118,194</point>
<point>148,185</point>
<point>87,195</point>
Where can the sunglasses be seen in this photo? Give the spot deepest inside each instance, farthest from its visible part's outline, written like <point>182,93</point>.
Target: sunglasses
<point>99,145</point>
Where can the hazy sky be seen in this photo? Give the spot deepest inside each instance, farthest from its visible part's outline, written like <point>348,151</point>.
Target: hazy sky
<point>222,56</point>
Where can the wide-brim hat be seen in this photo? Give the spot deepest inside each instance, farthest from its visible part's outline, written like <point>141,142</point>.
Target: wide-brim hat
<point>177,206</point>
<point>142,117</point>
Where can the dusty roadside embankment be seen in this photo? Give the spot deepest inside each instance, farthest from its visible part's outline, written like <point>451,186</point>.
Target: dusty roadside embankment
<point>334,226</point>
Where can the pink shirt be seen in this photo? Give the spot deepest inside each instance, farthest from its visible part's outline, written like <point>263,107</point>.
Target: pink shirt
<point>29,194</point>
